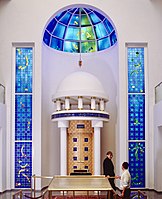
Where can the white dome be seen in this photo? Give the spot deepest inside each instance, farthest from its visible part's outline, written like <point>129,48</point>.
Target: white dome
<point>80,84</point>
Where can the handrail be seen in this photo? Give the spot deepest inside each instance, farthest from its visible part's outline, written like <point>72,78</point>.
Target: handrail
<point>3,93</point>
<point>34,178</point>
<point>158,92</point>
<point>138,194</point>
<point>18,193</point>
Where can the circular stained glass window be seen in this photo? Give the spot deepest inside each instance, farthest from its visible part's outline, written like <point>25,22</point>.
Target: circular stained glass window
<point>79,30</point>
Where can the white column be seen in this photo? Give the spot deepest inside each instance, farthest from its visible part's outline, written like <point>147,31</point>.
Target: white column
<point>67,103</point>
<point>80,102</point>
<point>97,146</point>
<point>93,103</point>
<point>58,104</point>
<point>63,125</point>
<point>102,105</point>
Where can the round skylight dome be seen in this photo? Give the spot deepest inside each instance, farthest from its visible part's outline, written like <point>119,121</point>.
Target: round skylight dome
<point>79,30</point>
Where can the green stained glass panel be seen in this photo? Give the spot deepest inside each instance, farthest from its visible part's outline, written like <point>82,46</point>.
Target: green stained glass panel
<point>85,21</point>
<point>88,47</point>
<point>87,33</point>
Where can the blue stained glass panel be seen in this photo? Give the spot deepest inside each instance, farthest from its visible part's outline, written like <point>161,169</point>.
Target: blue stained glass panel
<point>100,16</point>
<point>136,70</point>
<point>136,113</point>
<point>56,43</point>
<point>100,31</point>
<point>71,46</point>
<point>23,164</point>
<point>113,38</point>
<point>66,18</point>
<point>75,21</point>
<point>59,31</point>
<point>137,164</point>
<point>51,25</point>
<point>24,63</point>
<point>60,15</point>
<point>104,43</point>
<point>108,26</point>
<point>94,18</point>
<point>72,34</point>
<point>46,38</point>
<point>23,117</point>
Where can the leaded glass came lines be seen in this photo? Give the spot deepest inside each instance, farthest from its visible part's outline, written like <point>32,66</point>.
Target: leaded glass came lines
<point>78,30</point>
<point>136,116</point>
<point>23,116</point>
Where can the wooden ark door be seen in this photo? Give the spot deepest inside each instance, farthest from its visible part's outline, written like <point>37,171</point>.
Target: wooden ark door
<point>80,146</point>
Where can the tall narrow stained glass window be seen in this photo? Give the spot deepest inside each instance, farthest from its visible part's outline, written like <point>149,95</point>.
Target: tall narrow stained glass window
<point>23,116</point>
<point>136,115</point>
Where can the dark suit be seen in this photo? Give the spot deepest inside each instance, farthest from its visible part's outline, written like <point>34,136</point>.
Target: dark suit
<point>108,168</point>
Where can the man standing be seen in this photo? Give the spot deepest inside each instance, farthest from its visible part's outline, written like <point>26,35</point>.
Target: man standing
<point>125,181</point>
<point>108,168</point>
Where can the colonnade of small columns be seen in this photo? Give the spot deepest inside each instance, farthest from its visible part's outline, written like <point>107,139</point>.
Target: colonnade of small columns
<point>94,103</point>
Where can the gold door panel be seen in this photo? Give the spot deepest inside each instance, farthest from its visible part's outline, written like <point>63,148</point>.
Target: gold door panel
<point>80,146</point>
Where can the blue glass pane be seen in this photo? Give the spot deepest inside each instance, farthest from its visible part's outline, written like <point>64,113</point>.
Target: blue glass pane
<point>88,10</point>
<point>88,47</point>
<point>100,16</point>
<point>57,44</point>
<point>136,70</point>
<point>72,34</point>
<point>46,38</point>
<point>104,43</point>
<point>51,25</point>
<point>66,18</point>
<point>100,31</point>
<point>72,47</point>
<point>23,164</point>
<point>60,15</point>
<point>72,10</point>
<point>87,33</point>
<point>24,62</point>
<point>23,117</point>
<point>59,31</point>
<point>94,18</point>
<point>136,120</point>
<point>108,26</point>
<point>75,21</point>
<point>113,38</point>
<point>137,164</point>
<point>85,21</point>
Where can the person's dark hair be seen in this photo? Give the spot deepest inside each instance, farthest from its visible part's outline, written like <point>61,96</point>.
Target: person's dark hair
<point>109,153</point>
<point>125,165</point>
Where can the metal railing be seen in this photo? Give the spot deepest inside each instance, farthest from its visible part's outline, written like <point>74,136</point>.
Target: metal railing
<point>158,93</point>
<point>2,94</point>
<point>33,194</point>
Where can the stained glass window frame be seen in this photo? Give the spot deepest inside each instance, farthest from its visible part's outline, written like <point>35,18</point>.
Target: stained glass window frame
<point>140,145</point>
<point>93,26</point>
<point>22,156</point>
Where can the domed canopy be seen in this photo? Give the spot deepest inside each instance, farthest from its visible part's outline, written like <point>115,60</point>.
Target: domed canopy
<point>80,84</point>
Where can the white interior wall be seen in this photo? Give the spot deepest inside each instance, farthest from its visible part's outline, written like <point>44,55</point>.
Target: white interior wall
<point>136,21</point>
<point>2,147</point>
